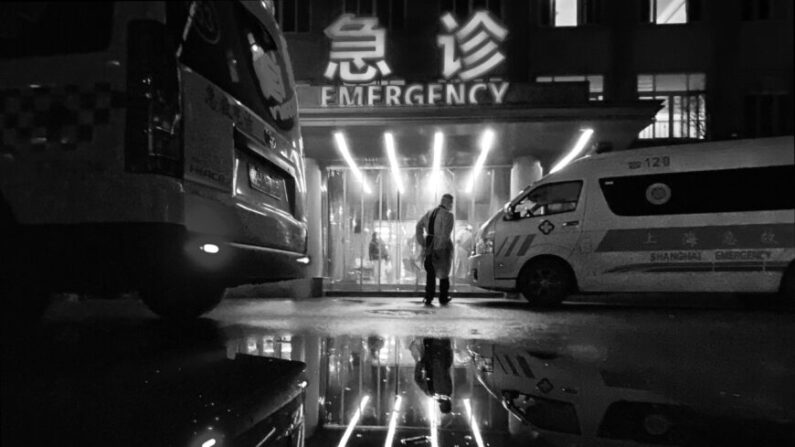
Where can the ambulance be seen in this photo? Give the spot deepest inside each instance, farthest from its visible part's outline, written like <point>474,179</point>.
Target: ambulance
<point>709,217</point>
<point>149,146</point>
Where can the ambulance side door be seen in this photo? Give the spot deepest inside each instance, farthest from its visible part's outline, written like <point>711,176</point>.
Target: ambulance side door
<point>546,220</point>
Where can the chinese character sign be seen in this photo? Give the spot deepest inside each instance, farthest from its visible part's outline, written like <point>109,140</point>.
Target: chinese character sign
<point>357,49</point>
<point>471,50</point>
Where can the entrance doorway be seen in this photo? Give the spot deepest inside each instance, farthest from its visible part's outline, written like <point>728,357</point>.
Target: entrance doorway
<point>370,225</point>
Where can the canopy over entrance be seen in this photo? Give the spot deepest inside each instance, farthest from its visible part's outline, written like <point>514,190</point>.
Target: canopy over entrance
<point>544,131</point>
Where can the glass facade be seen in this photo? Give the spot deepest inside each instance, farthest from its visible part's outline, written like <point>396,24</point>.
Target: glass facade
<point>370,237</point>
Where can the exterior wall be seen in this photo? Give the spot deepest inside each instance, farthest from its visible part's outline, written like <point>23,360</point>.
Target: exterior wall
<point>739,57</point>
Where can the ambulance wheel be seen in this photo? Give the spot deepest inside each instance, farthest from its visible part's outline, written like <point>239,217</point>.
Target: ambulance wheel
<point>546,282</point>
<point>182,299</point>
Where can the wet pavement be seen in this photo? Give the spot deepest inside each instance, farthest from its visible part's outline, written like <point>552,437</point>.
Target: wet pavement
<point>624,370</point>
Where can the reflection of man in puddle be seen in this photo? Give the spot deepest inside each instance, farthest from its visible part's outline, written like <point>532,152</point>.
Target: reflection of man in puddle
<point>434,358</point>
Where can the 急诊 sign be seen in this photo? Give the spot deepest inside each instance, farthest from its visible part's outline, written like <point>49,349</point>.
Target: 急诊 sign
<point>470,51</point>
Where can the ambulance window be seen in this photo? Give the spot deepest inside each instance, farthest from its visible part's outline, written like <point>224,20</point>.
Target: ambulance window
<point>207,49</point>
<point>549,199</point>
<point>230,47</point>
<point>549,414</point>
<point>697,192</point>
<point>30,29</point>
<point>267,69</point>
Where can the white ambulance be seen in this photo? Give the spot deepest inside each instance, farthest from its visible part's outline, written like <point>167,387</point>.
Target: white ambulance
<point>709,217</point>
<point>151,146</point>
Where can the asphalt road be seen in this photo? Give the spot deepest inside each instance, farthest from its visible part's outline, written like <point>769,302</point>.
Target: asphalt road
<point>702,352</point>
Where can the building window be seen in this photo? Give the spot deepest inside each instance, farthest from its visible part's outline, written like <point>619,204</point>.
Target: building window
<point>756,10</point>
<point>567,13</point>
<point>465,8</point>
<point>391,13</point>
<point>595,83</point>
<point>293,15</point>
<point>669,12</point>
<point>684,111</point>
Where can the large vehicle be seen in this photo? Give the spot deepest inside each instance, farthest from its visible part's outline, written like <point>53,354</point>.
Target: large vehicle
<point>711,217</point>
<point>151,146</point>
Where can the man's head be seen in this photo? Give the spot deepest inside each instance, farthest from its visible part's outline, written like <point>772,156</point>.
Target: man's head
<point>447,201</point>
<point>375,235</point>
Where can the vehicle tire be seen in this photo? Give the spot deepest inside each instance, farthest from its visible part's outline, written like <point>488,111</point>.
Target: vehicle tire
<point>182,298</point>
<point>546,282</point>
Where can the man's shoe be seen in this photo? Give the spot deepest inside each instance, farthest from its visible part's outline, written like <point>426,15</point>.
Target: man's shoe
<point>445,302</point>
<point>427,302</point>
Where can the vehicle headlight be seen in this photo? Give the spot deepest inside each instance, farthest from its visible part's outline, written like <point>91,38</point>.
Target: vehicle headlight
<point>483,364</point>
<point>485,244</point>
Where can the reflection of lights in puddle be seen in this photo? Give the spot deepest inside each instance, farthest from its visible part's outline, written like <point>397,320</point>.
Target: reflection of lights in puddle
<point>432,421</point>
<point>354,421</point>
<point>473,423</point>
<point>393,421</point>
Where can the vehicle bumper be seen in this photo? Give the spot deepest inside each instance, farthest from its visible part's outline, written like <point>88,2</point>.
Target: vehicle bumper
<point>113,255</point>
<point>482,274</point>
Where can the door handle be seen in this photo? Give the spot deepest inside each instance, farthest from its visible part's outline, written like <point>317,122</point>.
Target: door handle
<point>571,223</point>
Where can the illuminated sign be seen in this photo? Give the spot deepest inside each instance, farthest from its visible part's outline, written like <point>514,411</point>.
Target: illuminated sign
<point>357,49</point>
<point>433,94</point>
<point>471,50</point>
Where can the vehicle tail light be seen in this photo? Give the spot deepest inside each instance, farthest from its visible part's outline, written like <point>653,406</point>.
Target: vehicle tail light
<point>153,140</point>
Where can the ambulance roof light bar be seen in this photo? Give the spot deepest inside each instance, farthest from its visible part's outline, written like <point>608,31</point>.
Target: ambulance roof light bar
<point>389,141</point>
<point>342,146</point>
<point>486,142</point>
<point>575,151</point>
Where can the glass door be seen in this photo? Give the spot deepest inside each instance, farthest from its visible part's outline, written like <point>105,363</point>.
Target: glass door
<point>371,231</point>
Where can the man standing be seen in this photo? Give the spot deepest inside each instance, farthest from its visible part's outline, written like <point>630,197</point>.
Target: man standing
<point>433,232</point>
